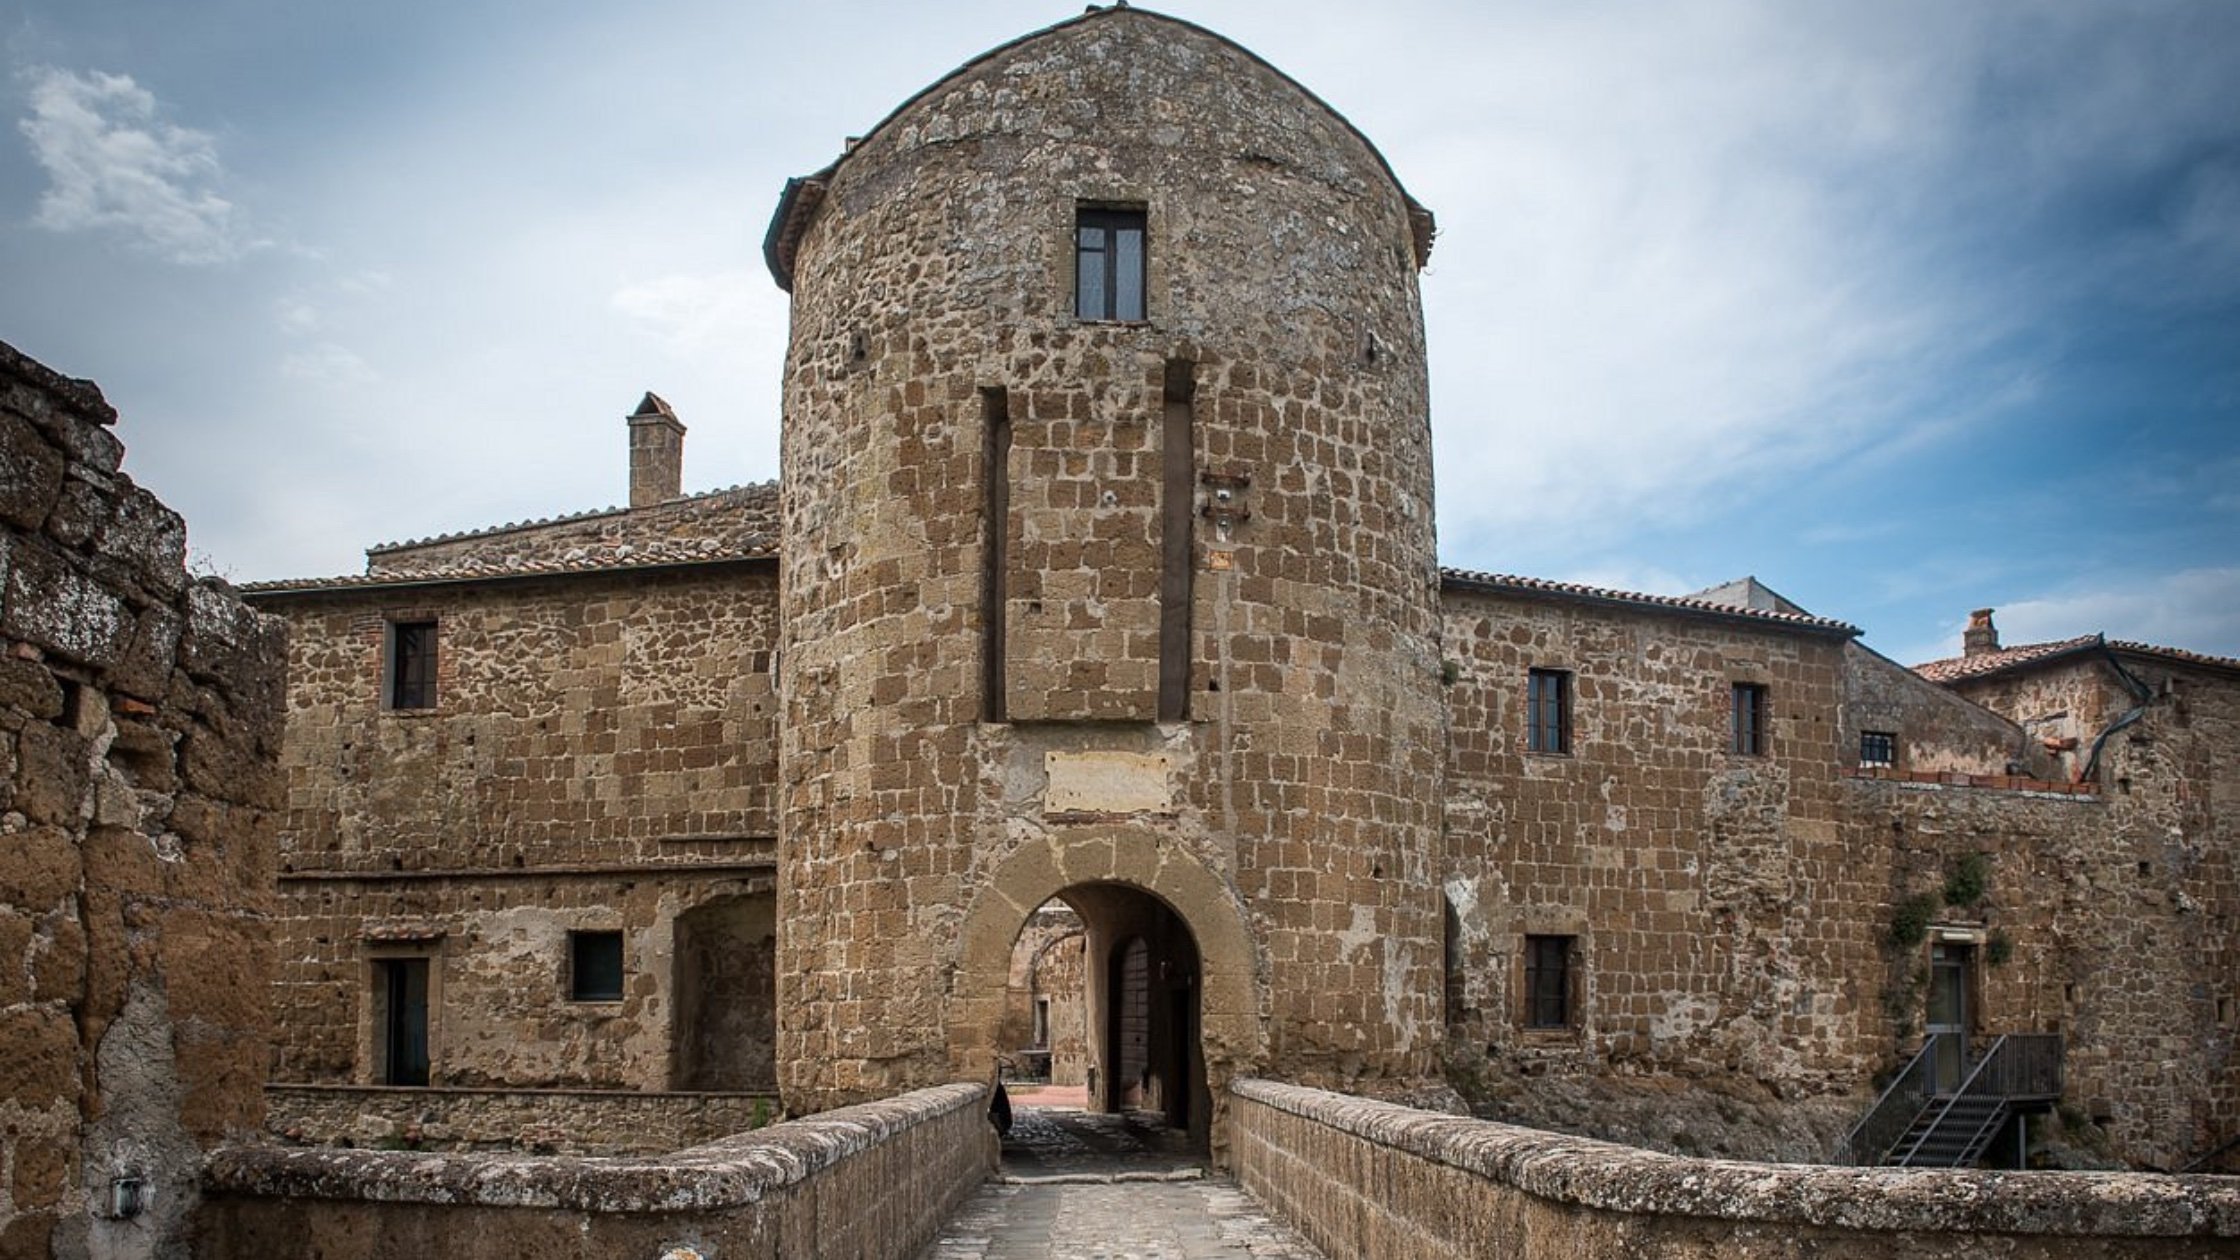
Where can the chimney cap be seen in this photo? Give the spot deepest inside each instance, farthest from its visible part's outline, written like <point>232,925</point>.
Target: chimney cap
<point>654,407</point>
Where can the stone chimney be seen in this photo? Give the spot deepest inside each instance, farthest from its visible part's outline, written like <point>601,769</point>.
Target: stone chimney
<point>1981,639</point>
<point>656,453</point>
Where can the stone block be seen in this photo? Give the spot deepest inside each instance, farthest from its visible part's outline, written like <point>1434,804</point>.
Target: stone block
<point>15,953</point>
<point>58,970</point>
<point>38,1056</point>
<point>39,866</point>
<point>52,769</point>
<point>30,474</point>
<point>54,604</point>
<point>27,687</point>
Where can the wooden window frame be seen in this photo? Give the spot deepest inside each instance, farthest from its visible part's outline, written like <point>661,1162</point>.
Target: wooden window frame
<point>1096,250</point>
<point>1548,711</point>
<point>409,660</point>
<point>1748,727</point>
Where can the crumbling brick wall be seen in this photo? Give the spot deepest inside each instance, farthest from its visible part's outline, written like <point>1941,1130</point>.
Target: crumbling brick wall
<point>139,722</point>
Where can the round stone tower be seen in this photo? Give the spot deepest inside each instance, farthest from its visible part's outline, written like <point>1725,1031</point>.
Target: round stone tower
<point>1108,574</point>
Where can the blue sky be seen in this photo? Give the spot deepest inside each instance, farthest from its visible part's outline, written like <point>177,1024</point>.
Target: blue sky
<point>1906,308</point>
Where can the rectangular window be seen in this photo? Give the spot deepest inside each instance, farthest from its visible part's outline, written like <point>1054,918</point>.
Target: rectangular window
<point>1108,264</point>
<point>594,966</point>
<point>1878,748</point>
<point>401,996</point>
<point>1749,734</point>
<point>1547,981</point>
<point>412,665</point>
<point>1548,711</point>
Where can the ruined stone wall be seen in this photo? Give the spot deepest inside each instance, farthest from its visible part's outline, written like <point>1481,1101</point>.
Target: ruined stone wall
<point>1369,1179</point>
<point>600,757</point>
<point>1935,729</point>
<point>540,1121</point>
<point>1706,894</point>
<point>1282,310</point>
<point>872,1182</point>
<point>139,722</point>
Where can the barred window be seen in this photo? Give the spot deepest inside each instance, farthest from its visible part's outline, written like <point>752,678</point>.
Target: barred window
<point>1749,733</point>
<point>1547,981</point>
<point>1878,748</point>
<point>1548,711</point>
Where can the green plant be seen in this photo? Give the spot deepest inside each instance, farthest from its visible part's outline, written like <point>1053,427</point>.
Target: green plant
<point>1966,879</point>
<point>1909,920</point>
<point>1998,949</point>
<point>1450,672</point>
<point>761,1116</point>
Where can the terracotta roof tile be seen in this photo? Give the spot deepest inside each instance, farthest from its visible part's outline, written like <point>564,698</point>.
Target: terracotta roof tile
<point>2176,654</point>
<point>1510,583</point>
<point>1956,668</point>
<point>577,561</point>
<point>756,489</point>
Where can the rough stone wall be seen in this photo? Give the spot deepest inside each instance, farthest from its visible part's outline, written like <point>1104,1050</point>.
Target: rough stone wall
<point>1046,965</point>
<point>497,949</point>
<point>1703,890</point>
<point>600,757</point>
<point>1936,730</point>
<point>1282,274</point>
<point>1369,1179</point>
<point>139,722</point>
<point>542,1121</point>
<point>872,1182</point>
<point>2133,921</point>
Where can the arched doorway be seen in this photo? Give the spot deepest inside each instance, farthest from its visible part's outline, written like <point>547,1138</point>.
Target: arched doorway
<point>1129,1012</point>
<point>1199,1011</point>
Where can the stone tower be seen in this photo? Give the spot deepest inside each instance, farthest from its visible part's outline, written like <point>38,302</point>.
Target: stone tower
<point>1108,572</point>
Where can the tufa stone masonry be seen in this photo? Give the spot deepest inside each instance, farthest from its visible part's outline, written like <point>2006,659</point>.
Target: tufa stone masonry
<point>1100,576</point>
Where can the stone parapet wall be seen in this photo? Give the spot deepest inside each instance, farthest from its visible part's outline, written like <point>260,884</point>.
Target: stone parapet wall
<point>1362,1178</point>
<point>139,727</point>
<point>863,1182</point>
<point>542,1121</point>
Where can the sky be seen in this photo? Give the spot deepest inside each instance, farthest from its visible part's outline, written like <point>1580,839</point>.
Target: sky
<point>1906,308</point>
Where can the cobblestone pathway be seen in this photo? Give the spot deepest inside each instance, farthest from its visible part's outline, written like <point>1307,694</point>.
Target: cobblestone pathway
<point>1075,1186</point>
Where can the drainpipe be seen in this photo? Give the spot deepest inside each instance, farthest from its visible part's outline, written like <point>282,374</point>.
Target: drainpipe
<point>2139,690</point>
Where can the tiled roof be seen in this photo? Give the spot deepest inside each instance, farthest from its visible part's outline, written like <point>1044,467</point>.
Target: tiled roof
<point>2176,654</point>
<point>1469,579</point>
<point>1957,668</point>
<point>577,561</point>
<point>749,490</point>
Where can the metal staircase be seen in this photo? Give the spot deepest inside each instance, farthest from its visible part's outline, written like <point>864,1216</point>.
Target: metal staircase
<point>1913,1125</point>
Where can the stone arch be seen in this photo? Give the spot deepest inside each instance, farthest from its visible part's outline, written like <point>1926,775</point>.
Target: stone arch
<point>1231,1032</point>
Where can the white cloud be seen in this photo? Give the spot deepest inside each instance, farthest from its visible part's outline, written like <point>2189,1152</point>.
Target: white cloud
<point>327,364</point>
<point>698,313</point>
<point>114,165</point>
<point>2195,609</point>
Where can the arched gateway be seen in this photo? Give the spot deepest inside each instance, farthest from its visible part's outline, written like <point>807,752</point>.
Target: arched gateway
<point>1128,887</point>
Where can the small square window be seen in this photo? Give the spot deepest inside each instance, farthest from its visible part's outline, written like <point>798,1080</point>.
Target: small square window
<point>1108,270</point>
<point>594,966</point>
<point>412,665</point>
<point>1547,981</point>
<point>1548,711</point>
<point>1749,720</point>
<point>1878,748</point>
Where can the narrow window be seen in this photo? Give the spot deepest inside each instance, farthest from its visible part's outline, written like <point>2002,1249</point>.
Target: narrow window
<point>412,665</point>
<point>995,512</point>
<point>1548,711</point>
<point>401,989</point>
<point>1878,748</point>
<point>1749,714</point>
<point>594,966</point>
<point>1177,490</point>
<point>1547,981</point>
<point>1108,264</point>
<point>1041,1022</point>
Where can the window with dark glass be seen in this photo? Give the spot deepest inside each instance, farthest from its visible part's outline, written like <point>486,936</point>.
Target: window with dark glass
<point>1878,748</point>
<point>595,966</point>
<point>1108,264</point>
<point>1749,738</point>
<point>1547,981</point>
<point>412,664</point>
<point>1548,711</point>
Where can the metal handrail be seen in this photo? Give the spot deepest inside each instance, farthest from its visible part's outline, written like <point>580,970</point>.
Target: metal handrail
<point>1894,1112</point>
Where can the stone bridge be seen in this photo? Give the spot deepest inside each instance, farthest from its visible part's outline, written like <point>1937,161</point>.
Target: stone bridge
<point>1354,1177</point>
